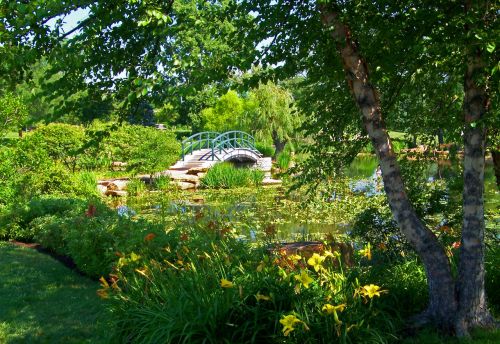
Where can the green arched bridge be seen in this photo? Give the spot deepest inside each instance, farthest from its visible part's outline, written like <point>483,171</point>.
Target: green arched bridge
<point>203,150</point>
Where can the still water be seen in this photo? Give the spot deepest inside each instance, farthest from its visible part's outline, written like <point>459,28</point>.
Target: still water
<point>272,211</point>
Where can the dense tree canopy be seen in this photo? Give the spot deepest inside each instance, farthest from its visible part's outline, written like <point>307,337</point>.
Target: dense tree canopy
<point>13,112</point>
<point>135,49</point>
<point>226,115</point>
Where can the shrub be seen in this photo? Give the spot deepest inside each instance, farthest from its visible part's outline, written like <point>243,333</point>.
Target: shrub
<point>492,279</point>
<point>136,187</point>
<point>161,183</point>
<point>17,222</point>
<point>7,175</point>
<point>51,231</point>
<point>88,232</point>
<point>85,184</point>
<point>368,148</point>
<point>62,142</point>
<point>398,144</point>
<point>225,176</point>
<point>375,225</point>
<point>145,149</point>
<point>29,171</point>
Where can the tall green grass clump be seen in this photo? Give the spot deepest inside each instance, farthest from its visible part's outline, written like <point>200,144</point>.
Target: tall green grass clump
<point>265,149</point>
<point>226,176</point>
<point>284,159</point>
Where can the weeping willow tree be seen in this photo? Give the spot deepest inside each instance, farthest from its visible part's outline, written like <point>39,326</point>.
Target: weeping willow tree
<point>273,115</point>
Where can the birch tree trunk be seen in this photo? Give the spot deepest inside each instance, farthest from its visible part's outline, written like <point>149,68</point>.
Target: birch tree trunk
<point>442,302</point>
<point>472,306</point>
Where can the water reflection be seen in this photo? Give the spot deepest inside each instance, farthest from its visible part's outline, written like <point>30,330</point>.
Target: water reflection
<point>370,187</point>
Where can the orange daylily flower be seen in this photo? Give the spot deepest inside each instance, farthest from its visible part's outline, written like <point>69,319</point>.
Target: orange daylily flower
<point>150,237</point>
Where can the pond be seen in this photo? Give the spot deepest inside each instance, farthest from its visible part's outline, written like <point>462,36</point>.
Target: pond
<point>273,213</point>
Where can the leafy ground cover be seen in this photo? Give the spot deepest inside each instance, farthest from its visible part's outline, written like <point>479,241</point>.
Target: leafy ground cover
<point>42,301</point>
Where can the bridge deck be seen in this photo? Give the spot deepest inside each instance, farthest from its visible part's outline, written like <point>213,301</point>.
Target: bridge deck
<point>195,160</point>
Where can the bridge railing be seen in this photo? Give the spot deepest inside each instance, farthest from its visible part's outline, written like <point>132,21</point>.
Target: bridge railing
<point>198,141</point>
<point>233,140</point>
<point>218,143</point>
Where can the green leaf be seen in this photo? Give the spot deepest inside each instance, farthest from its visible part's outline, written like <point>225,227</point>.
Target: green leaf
<point>490,47</point>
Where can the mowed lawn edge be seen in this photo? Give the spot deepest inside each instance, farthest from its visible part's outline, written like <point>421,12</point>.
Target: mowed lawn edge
<point>43,301</point>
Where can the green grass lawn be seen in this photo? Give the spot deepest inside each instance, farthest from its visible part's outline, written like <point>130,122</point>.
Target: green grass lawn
<point>477,337</point>
<point>397,135</point>
<point>42,301</point>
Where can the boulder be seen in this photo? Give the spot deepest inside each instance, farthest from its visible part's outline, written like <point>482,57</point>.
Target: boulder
<point>102,188</point>
<point>116,193</point>
<point>198,199</point>
<point>184,185</point>
<point>104,182</point>
<point>118,184</point>
<point>197,170</point>
<point>185,178</point>
<point>270,181</point>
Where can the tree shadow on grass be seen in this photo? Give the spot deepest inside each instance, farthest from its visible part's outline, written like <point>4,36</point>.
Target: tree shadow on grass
<point>42,301</point>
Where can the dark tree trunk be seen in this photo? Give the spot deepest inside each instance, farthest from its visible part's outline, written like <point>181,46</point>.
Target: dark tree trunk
<point>440,136</point>
<point>442,302</point>
<point>472,306</point>
<point>279,144</point>
<point>495,155</point>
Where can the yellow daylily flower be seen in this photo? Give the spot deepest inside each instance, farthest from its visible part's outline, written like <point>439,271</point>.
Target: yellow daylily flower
<point>331,309</point>
<point>366,252</point>
<point>315,261</point>
<point>261,266</point>
<point>134,257</point>
<point>103,293</point>
<point>261,297</point>
<point>295,258</point>
<point>331,254</point>
<point>304,278</point>
<point>371,290</point>
<point>104,283</point>
<point>289,322</point>
<point>143,271</point>
<point>224,283</point>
